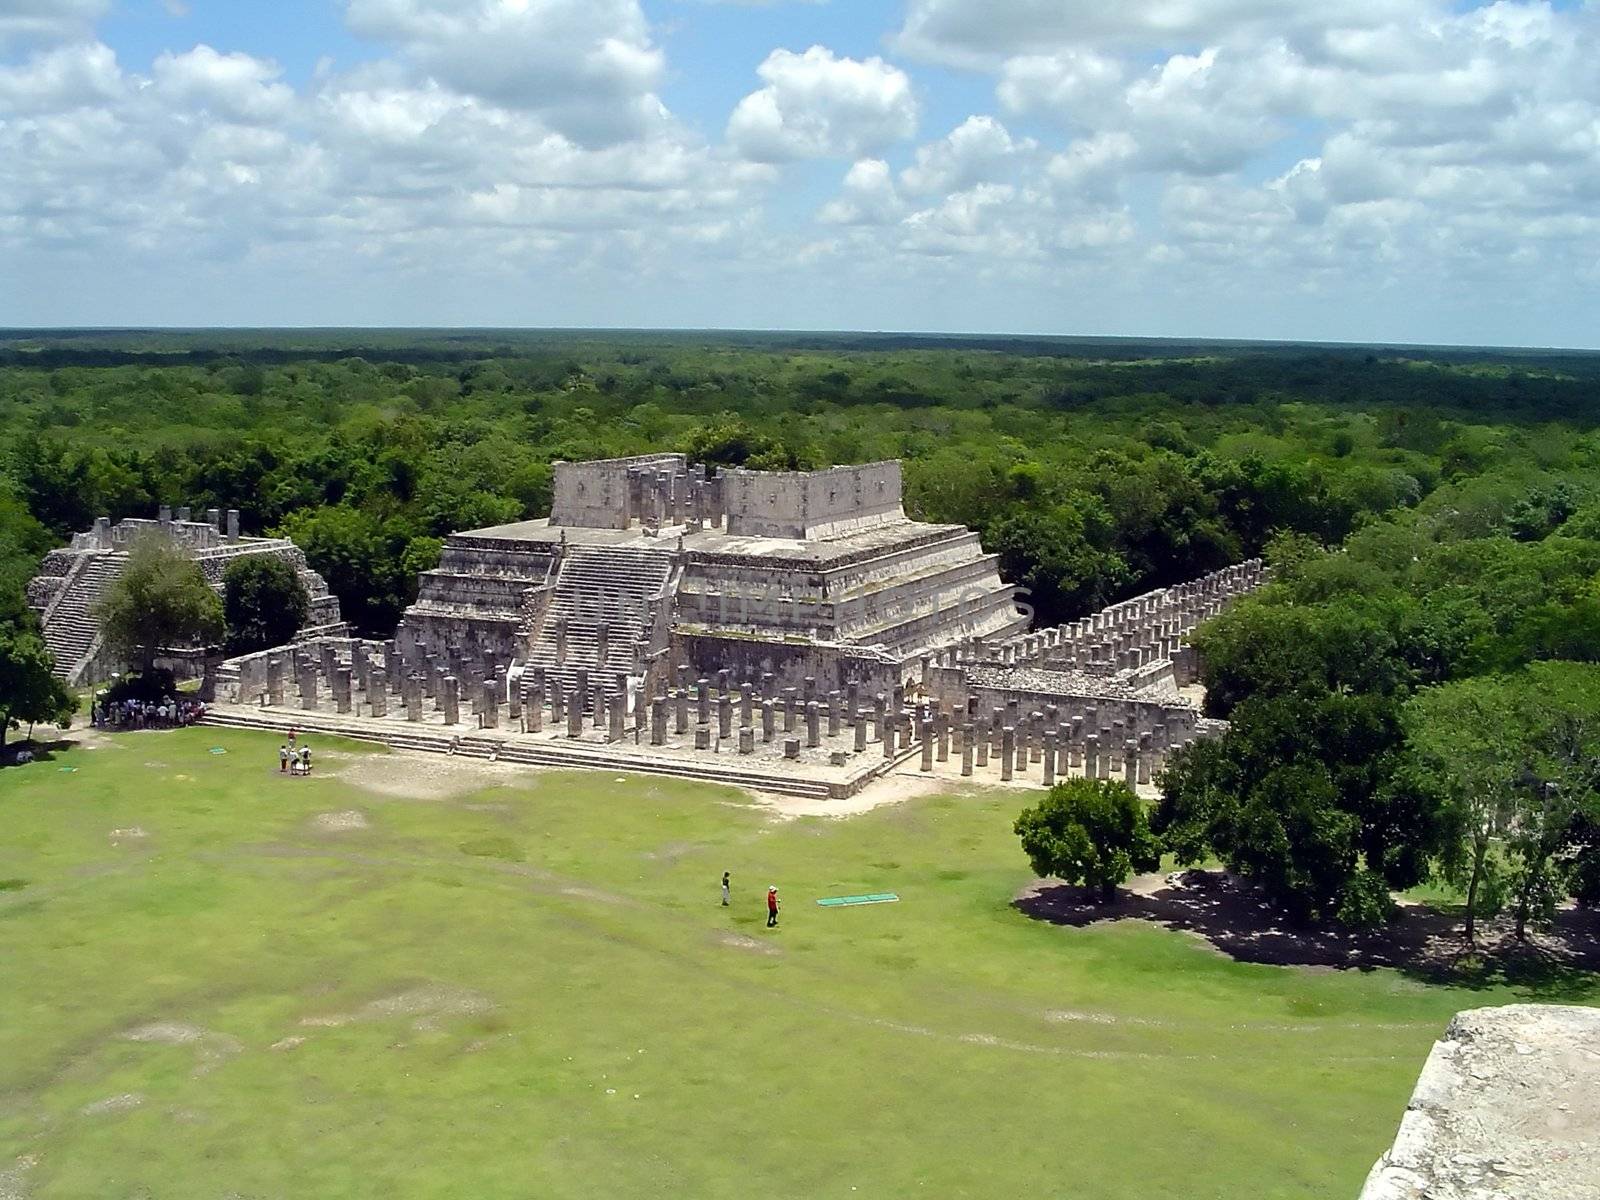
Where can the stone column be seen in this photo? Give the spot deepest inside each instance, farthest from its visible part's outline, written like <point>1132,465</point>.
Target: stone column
<point>746,703</point>
<point>702,696</point>
<point>1008,752</point>
<point>791,748</point>
<point>680,701</point>
<point>789,701</point>
<point>558,704</point>
<point>833,714</point>
<point>1091,756</point>
<point>308,688</point>
<point>341,689</point>
<point>378,692</point>
<point>561,641</point>
<point>926,733</point>
<point>767,721</point>
<point>981,747</point>
<point>747,740</point>
<point>888,739</point>
<point>275,681</point>
<point>513,698</point>
<point>724,715</point>
<point>1130,762</point>
<point>941,728</point>
<point>813,725</point>
<point>658,721</point>
<point>966,751</point>
<point>859,721</point>
<point>619,716</point>
<point>1049,760</point>
<point>1144,758</point>
<point>575,720</point>
<point>491,705</point>
<point>413,699</point>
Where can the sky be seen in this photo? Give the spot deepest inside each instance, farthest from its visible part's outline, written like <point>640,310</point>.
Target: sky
<point>1394,171</point>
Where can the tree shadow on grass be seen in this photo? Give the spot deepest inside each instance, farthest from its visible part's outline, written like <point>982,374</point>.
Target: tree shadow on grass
<point>1560,963</point>
<point>43,752</point>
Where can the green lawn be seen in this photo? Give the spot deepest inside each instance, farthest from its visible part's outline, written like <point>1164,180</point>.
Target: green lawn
<point>532,991</point>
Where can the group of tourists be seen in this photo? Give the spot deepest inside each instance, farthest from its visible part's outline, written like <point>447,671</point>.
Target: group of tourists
<point>772,898</point>
<point>293,759</point>
<point>173,712</point>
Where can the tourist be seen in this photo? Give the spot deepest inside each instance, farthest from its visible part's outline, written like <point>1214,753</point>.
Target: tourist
<point>772,907</point>
<point>305,760</point>
<point>283,758</point>
<point>725,889</point>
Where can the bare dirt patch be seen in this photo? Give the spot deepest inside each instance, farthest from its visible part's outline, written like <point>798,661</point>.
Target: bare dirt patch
<point>14,1179</point>
<point>428,1005</point>
<point>1234,919</point>
<point>424,776</point>
<point>211,1049</point>
<point>340,822</point>
<point>740,941</point>
<point>113,1104</point>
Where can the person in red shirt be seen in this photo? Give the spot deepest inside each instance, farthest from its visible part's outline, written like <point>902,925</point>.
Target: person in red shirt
<point>772,907</point>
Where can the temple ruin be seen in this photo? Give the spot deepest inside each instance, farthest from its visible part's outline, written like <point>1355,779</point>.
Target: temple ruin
<point>73,579</point>
<point>786,631</point>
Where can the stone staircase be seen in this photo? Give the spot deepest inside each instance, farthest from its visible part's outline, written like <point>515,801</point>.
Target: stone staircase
<point>572,756</point>
<point>70,629</point>
<point>614,586</point>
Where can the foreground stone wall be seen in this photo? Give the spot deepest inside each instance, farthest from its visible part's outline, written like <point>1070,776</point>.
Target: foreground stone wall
<point>1508,1105</point>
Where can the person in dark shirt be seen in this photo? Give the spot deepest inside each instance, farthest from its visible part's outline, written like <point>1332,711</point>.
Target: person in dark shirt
<point>725,893</point>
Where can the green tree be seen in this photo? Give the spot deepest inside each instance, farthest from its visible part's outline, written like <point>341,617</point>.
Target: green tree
<point>160,600</point>
<point>29,692</point>
<point>1089,831</point>
<point>263,602</point>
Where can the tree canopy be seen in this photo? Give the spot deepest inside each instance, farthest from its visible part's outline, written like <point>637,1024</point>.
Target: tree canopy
<point>1091,832</point>
<point>160,601</point>
<point>264,603</point>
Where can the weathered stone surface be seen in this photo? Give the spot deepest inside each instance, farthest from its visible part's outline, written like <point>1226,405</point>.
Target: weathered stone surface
<point>1507,1108</point>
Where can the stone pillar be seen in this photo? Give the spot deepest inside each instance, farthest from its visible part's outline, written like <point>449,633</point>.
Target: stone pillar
<point>941,727</point>
<point>561,641</point>
<point>791,748</point>
<point>747,740</point>
<point>789,703</point>
<point>619,716</point>
<point>330,660</point>
<point>724,715</point>
<point>1049,760</point>
<point>491,705</point>
<point>767,721</point>
<point>575,719</point>
<point>813,724</point>
<point>308,688</point>
<point>966,751</point>
<point>341,689</point>
<point>833,714</point>
<point>1144,758</point>
<point>888,739</point>
<point>926,732</point>
<point>1008,752</point>
<point>597,708</point>
<point>450,699</point>
<point>702,696</point>
<point>658,721</point>
<point>981,746</point>
<point>1130,762</point>
<point>413,699</point>
<point>1091,756</point>
<point>275,681</point>
<point>558,704</point>
<point>680,711</point>
<point>602,642</point>
<point>746,706</point>
<point>233,524</point>
<point>378,691</point>
<point>513,698</point>
<point>860,722</point>
<point>702,737</point>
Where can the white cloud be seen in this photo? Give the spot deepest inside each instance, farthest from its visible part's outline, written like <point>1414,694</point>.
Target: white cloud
<point>868,197</point>
<point>979,150</point>
<point>816,105</point>
<point>232,85</point>
<point>588,67</point>
<point>36,22</point>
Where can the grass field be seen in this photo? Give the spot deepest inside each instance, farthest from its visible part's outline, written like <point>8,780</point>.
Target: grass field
<point>213,988</point>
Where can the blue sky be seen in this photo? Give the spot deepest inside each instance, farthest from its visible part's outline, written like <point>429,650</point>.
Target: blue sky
<point>1379,170</point>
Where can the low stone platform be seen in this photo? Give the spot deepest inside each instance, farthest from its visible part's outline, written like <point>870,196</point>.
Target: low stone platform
<point>1507,1108</point>
<point>812,779</point>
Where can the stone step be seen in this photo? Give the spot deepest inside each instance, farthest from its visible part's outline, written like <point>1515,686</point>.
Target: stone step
<point>563,757</point>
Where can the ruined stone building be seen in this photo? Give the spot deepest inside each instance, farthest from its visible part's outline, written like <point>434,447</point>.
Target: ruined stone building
<point>647,564</point>
<point>784,631</point>
<point>73,579</point>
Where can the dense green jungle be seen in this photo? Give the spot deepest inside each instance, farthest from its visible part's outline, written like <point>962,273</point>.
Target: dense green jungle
<point>1433,516</point>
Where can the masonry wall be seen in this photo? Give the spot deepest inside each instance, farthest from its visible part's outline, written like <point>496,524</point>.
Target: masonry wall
<point>790,662</point>
<point>811,505</point>
<point>595,495</point>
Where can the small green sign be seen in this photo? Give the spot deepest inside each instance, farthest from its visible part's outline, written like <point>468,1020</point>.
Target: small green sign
<point>852,901</point>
